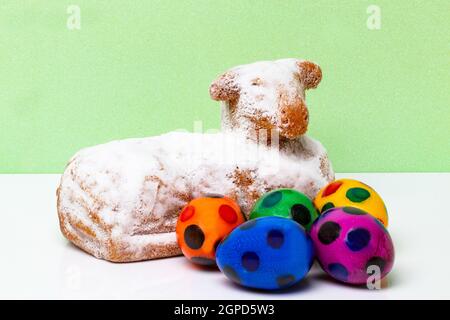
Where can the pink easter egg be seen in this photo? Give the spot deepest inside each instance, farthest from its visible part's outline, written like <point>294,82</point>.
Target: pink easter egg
<point>351,245</point>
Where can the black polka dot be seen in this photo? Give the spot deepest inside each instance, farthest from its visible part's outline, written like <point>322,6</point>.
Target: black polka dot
<point>194,236</point>
<point>203,261</point>
<point>231,274</point>
<point>357,239</point>
<point>275,238</point>
<point>300,214</point>
<point>285,280</point>
<point>272,199</point>
<point>338,271</point>
<point>250,261</point>
<point>329,232</point>
<point>376,261</point>
<point>353,210</point>
<point>214,195</point>
<point>248,225</point>
<point>327,206</point>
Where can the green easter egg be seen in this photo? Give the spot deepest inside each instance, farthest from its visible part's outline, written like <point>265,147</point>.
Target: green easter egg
<point>287,203</point>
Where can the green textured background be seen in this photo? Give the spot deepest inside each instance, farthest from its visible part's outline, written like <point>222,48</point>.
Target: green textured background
<point>139,68</point>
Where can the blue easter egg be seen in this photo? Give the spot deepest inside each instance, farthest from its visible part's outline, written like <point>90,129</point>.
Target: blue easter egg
<point>266,253</point>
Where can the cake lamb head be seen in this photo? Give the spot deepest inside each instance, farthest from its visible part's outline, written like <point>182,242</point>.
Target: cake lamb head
<point>267,95</point>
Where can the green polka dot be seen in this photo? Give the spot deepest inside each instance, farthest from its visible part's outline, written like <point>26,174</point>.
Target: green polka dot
<point>327,206</point>
<point>353,210</point>
<point>357,194</point>
<point>272,199</point>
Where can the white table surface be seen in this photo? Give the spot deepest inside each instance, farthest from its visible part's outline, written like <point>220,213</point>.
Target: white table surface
<point>38,262</point>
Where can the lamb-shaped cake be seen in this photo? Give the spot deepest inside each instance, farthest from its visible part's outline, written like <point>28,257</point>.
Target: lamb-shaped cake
<point>120,201</point>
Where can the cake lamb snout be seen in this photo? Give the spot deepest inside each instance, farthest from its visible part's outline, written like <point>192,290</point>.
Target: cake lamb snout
<point>120,201</point>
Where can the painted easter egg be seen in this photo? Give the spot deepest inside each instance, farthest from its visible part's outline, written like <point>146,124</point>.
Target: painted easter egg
<point>266,253</point>
<point>203,223</point>
<point>287,203</point>
<point>351,245</point>
<point>352,193</point>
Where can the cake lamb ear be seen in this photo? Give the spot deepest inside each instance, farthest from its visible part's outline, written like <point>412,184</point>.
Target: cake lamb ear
<point>310,74</point>
<point>224,88</point>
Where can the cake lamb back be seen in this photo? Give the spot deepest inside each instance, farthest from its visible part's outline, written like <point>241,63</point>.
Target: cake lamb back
<point>120,201</point>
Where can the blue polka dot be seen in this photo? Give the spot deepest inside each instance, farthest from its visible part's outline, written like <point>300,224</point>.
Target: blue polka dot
<point>275,238</point>
<point>338,271</point>
<point>250,261</point>
<point>357,239</point>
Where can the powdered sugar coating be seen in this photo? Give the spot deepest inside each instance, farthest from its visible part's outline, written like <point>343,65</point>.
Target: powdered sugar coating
<point>132,190</point>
